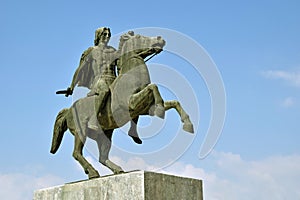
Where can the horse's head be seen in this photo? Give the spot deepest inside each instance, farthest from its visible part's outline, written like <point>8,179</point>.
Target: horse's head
<point>140,45</point>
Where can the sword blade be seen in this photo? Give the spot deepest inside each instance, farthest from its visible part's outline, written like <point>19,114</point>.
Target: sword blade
<point>61,92</point>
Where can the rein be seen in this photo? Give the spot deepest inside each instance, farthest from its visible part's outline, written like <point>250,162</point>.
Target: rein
<point>151,56</point>
<point>137,56</point>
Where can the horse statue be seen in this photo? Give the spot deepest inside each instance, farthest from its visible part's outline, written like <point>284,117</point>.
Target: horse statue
<point>132,95</point>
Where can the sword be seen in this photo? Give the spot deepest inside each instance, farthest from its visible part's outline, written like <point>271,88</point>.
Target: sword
<point>65,92</point>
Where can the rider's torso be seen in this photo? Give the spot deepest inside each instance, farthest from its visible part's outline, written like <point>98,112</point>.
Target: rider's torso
<point>103,61</point>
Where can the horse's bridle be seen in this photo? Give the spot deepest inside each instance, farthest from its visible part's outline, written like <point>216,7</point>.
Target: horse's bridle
<point>152,56</point>
<point>139,57</point>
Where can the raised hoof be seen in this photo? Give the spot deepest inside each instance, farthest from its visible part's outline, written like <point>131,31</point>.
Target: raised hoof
<point>159,111</point>
<point>137,140</point>
<point>188,127</point>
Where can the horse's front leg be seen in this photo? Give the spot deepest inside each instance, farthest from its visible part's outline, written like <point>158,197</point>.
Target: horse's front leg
<point>133,131</point>
<point>144,98</point>
<point>187,124</point>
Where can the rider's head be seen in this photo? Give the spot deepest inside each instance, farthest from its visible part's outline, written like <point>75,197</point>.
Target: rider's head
<point>102,35</point>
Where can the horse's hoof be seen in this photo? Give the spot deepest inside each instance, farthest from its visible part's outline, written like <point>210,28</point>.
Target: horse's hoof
<point>188,127</point>
<point>119,172</point>
<point>94,175</point>
<point>159,111</point>
<point>137,140</point>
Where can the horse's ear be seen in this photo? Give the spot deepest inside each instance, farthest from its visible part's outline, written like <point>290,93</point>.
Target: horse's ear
<point>131,33</point>
<point>125,37</point>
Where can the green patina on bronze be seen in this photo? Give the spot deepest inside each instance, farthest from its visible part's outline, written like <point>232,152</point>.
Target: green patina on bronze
<point>113,100</point>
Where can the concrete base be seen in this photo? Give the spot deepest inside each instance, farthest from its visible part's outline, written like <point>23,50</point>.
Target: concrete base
<point>137,185</point>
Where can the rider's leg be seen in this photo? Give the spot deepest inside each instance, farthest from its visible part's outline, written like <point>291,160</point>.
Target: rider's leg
<point>99,104</point>
<point>101,95</point>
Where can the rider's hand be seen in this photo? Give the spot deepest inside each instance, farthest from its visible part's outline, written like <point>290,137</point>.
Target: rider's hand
<point>69,91</point>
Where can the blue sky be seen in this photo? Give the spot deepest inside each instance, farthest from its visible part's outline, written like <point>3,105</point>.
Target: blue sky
<point>255,46</point>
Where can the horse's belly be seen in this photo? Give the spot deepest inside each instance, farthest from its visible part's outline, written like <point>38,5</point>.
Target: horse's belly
<point>109,120</point>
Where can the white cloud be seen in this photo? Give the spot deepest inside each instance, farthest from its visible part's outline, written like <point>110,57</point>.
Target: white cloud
<point>234,178</point>
<point>292,78</point>
<point>288,102</point>
<point>19,186</point>
<point>230,177</point>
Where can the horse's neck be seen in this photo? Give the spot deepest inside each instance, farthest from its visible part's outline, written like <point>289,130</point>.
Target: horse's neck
<point>130,61</point>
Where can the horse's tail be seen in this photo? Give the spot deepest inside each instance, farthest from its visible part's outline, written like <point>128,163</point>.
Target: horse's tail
<point>60,127</point>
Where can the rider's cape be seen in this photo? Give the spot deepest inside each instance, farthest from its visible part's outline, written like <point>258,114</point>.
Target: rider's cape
<point>85,73</point>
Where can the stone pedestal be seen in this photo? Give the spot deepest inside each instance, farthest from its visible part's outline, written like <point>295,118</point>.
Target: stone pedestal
<point>137,185</point>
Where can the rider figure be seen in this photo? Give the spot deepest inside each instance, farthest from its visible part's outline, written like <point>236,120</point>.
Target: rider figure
<point>97,71</point>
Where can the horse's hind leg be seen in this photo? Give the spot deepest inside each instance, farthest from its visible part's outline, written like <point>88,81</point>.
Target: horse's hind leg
<point>187,124</point>
<point>77,154</point>
<point>104,145</point>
